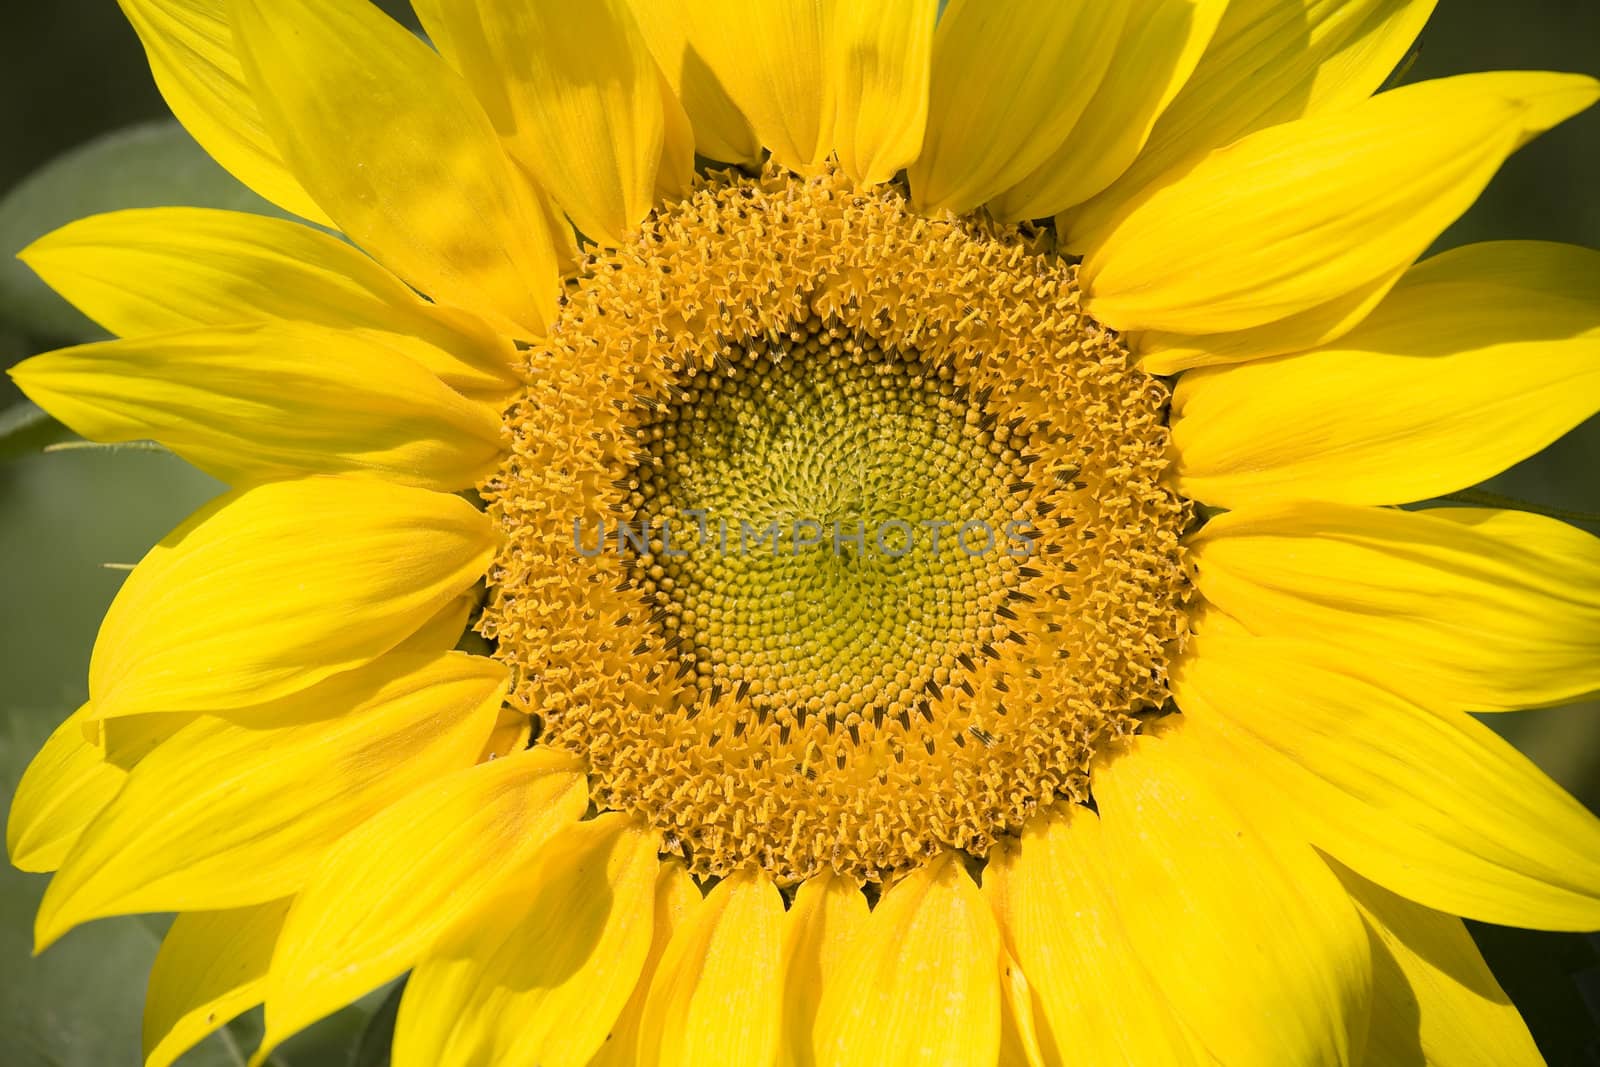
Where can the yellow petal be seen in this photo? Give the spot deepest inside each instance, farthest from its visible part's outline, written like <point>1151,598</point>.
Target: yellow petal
<point>1432,805</point>
<point>676,175</point>
<point>1161,43</point>
<point>190,47</point>
<point>574,93</point>
<point>1301,214</point>
<point>808,76</point>
<point>1096,1002</point>
<point>444,630</point>
<point>1434,1000</point>
<point>128,739</point>
<point>391,143</point>
<point>1478,359</point>
<point>774,61</point>
<point>225,814</point>
<point>717,996</point>
<point>271,401</point>
<point>160,270</point>
<point>678,42</point>
<point>1233,921</point>
<point>1009,83</point>
<point>512,730</point>
<point>266,591</point>
<point>563,238</point>
<point>1170,353</point>
<point>828,915</point>
<point>540,975</point>
<point>882,55</point>
<point>1453,608</point>
<point>211,968</point>
<point>65,786</point>
<point>392,887</point>
<point>676,897</point>
<point>921,983</point>
<point>1021,1021</point>
<point>1269,62</point>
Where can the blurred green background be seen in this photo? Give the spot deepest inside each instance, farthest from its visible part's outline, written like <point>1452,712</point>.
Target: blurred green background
<point>72,72</point>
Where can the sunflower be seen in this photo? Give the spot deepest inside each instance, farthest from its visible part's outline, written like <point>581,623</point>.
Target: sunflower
<point>835,533</point>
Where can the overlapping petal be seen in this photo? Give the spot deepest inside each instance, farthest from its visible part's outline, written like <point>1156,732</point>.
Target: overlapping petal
<point>717,993</point>
<point>1322,324</point>
<point>68,782</point>
<point>391,888</point>
<point>229,813</point>
<point>881,55</point>
<point>1182,860</point>
<point>828,916</point>
<point>161,270</point>
<point>1269,62</point>
<point>806,78</point>
<point>576,96</point>
<point>992,124</point>
<point>211,968</point>
<point>774,61</point>
<point>540,975</point>
<point>391,143</point>
<point>1457,608</point>
<point>196,65</point>
<point>267,591</point>
<point>1429,804</point>
<point>1434,1000</point>
<point>1093,998</point>
<point>1301,214</point>
<point>1161,43</point>
<point>271,401</point>
<point>1479,358</point>
<point>920,984</point>
<point>679,41</point>
<point>676,898</point>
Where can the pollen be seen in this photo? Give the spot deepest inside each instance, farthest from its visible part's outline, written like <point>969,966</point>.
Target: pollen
<point>835,537</point>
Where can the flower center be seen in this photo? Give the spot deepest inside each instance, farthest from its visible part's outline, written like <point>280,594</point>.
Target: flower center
<point>834,536</point>
<point>849,524</point>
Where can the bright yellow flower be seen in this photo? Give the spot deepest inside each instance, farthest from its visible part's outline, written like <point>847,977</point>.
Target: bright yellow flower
<point>1174,766</point>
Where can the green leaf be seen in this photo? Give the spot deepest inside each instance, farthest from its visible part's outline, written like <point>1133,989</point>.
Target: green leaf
<point>60,518</point>
<point>151,165</point>
<point>1482,498</point>
<point>25,428</point>
<point>373,1048</point>
<point>63,517</point>
<point>331,1042</point>
<point>79,1003</point>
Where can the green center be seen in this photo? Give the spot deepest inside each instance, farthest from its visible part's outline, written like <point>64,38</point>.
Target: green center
<point>842,525</point>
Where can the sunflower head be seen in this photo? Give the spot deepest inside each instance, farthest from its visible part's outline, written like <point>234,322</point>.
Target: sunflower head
<point>898,530</point>
<point>830,533</point>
